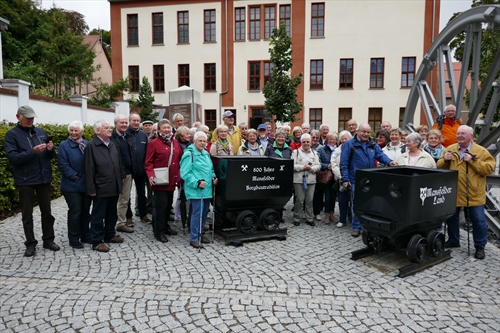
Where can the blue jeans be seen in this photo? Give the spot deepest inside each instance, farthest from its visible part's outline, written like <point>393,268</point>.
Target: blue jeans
<point>197,204</point>
<point>479,228</point>
<point>329,199</point>
<point>356,225</point>
<point>343,199</point>
<point>78,216</point>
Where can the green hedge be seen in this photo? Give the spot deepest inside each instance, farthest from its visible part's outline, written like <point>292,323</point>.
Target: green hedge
<point>9,198</point>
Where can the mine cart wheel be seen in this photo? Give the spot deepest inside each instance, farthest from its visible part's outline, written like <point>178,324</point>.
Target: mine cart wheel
<point>418,249</point>
<point>436,243</point>
<point>246,221</point>
<point>269,219</point>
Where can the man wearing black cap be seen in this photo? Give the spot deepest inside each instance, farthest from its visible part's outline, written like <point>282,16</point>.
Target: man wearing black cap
<point>29,151</point>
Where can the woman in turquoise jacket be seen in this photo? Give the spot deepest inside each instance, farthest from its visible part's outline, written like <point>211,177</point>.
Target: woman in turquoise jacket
<point>198,174</point>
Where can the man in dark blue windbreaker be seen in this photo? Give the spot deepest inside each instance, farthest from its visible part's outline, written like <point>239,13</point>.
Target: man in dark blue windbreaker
<point>359,152</point>
<point>29,151</point>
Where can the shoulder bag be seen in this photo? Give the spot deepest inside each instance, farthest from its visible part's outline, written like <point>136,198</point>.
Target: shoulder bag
<point>162,174</point>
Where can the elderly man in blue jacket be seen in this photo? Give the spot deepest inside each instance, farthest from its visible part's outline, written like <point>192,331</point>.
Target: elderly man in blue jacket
<point>360,152</point>
<point>29,151</point>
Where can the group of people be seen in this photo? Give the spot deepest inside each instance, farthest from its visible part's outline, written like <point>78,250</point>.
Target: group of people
<point>161,157</point>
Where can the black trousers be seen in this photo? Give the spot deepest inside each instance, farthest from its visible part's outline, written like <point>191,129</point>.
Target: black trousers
<point>103,219</point>
<point>162,203</point>
<point>140,187</point>
<point>26,202</point>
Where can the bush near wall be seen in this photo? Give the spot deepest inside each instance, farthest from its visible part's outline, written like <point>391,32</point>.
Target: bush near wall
<point>9,198</point>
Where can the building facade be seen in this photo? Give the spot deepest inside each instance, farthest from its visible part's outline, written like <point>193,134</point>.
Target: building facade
<point>358,58</point>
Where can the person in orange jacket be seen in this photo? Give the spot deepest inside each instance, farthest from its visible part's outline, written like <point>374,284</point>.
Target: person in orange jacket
<point>448,125</point>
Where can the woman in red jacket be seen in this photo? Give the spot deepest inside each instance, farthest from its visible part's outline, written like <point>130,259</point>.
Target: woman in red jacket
<point>163,152</point>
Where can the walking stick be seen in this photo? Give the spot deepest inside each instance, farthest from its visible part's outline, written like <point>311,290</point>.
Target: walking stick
<point>466,211</point>
<point>183,209</point>
<point>213,211</point>
<point>201,219</point>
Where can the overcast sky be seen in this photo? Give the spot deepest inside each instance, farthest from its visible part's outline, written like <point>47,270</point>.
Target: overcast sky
<point>96,12</point>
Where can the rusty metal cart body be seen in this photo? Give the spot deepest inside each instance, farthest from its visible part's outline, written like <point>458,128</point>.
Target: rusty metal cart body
<point>250,197</point>
<point>403,207</point>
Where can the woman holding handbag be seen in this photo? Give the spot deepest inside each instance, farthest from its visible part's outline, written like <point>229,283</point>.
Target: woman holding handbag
<point>163,157</point>
<point>325,181</point>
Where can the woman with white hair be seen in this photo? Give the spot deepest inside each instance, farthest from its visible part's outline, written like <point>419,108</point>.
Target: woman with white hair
<point>306,164</point>
<point>414,156</point>
<point>73,187</point>
<point>222,146</point>
<point>198,174</point>
<point>343,196</point>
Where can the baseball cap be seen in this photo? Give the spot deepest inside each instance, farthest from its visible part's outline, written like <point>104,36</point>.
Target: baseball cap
<point>26,111</point>
<point>228,114</point>
<point>261,126</point>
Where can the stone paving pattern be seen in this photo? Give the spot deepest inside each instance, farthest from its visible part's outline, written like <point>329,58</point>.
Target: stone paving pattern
<point>307,283</point>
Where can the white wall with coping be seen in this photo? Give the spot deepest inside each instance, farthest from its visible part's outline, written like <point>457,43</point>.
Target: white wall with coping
<point>51,112</point>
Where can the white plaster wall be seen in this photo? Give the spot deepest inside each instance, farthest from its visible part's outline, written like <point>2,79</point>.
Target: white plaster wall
<point>362,30</point>
<point>353,29</point>
<point>171,54</point>
<point>8,108</point>
<point>50,112</point>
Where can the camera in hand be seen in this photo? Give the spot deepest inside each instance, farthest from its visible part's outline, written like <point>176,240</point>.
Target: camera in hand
<point>49,138</point>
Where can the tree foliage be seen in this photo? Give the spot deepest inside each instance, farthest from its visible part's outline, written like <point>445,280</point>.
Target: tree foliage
<point>489,47</point>
<point>45,48</point>
<point>146,100</point>
<point>106,93</point>
<point>281,91</point>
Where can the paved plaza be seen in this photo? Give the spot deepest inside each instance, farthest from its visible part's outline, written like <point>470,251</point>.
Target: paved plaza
<point>307,283</point>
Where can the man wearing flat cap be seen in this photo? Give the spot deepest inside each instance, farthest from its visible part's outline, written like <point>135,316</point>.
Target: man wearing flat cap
<point>29,151</point>
<point>233,133</point>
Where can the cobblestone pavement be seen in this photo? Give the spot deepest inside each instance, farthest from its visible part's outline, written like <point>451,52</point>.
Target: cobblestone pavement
<point>307,283</point>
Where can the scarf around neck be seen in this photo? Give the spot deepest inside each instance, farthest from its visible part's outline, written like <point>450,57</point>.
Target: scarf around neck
<point>166,139</point>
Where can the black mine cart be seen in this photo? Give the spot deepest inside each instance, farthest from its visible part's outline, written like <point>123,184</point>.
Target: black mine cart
<point>403,207</point>
<point>250,197</point>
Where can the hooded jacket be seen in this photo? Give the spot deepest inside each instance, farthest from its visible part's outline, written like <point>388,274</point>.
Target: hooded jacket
<point>359,155</point>
<point>196,166</point>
